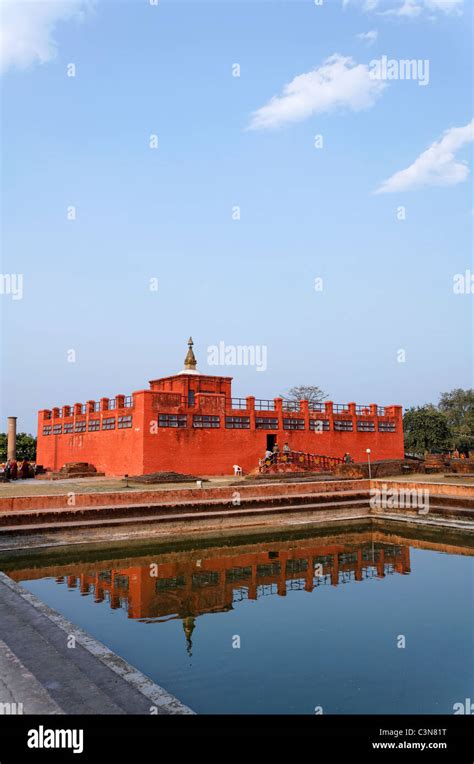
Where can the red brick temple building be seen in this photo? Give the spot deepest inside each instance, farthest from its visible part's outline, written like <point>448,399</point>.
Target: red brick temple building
<point>189,422</point>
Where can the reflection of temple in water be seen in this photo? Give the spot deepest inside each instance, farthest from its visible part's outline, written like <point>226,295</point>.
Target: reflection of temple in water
<point>185,585</point>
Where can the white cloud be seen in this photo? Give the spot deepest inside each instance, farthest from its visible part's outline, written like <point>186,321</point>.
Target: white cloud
<point>436,166</point>
<point>338,83</point>
<point>407,8</point>
<point>27,29</point>
<point>448,6</point>
<point>369,37</point>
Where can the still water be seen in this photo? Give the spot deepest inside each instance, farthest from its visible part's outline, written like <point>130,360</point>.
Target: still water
<point>347,621</point>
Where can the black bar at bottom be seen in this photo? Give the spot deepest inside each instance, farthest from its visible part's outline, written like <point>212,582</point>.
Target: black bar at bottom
<point>133,738</point>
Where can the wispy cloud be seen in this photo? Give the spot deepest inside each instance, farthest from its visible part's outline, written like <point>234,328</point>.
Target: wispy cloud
<point>407,8</point>
<point>27,29</point>
<point>368,37</point>
<point>339,83</point>
<point>437,166</point>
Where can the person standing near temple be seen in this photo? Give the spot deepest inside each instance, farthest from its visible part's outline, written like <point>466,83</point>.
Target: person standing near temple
<point>268,455</point>
<point>24,469</point>
<point>13,470</point>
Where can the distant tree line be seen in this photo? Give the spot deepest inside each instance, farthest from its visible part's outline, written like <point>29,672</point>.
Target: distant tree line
<point>25,447</point>
<point>447,426</point>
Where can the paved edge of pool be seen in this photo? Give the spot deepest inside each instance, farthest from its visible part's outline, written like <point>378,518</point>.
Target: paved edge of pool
<point>126,676</point>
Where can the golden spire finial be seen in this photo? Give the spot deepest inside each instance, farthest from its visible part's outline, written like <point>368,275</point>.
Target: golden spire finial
<point>190,362</point>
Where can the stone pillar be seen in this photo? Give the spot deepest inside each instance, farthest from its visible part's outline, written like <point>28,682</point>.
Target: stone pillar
<point>11,447</point>
<point>250,403</point>
<point>278,402</point>
<point>304,409</point>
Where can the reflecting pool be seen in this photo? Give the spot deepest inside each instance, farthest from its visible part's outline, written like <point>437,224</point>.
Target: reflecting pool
<point>353,619</point>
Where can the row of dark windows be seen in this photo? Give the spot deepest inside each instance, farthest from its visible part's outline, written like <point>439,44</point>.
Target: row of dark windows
<point>211,422</point>
<point>271,423</point>
<point>108,423</point>
<point>243,574</point>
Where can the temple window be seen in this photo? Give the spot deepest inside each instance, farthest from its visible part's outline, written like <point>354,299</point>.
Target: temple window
<point>172,420</point>
<point>237,422</point>
<point>206,420</point>
<point>365,425</point>
<point>266,423</point>
<point>387,427</point>
<point>293,424</point>
<point>343,425</point>
<point>320,425</point>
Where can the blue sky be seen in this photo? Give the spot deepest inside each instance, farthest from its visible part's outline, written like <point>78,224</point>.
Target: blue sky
<point>166,213</point>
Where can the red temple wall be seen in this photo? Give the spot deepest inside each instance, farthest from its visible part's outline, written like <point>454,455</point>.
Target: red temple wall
<point>145,448</point>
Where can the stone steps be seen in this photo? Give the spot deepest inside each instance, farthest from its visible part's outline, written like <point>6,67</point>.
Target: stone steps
<point>140,510</point>
<point>11,524</point>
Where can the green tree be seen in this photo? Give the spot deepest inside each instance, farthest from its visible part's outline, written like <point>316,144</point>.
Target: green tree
<point>309,393</point>
<point>458,407</point>
<point>25,447</point>
<point>426,429</point>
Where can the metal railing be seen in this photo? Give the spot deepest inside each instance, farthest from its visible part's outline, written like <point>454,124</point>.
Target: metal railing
<point>264,405</point>
<point>340,408</point>
<point>128,402</point>
<point>237,403</point>
<point>363,410</point>
<point>291,406</point>
<point>317,407</point>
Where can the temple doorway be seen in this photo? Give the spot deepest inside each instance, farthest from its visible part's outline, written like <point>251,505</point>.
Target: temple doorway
<point>271,440</point>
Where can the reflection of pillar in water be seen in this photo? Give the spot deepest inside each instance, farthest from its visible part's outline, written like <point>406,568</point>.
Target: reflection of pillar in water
<point>381,564</point>
<point>189,624</point>
<point>99,589</point>
<point>358,570</point>
<point>309,578</point>
<point>11,445</point>
<point>406,559</point>
<point>281,581</point>
<point>83,584</point>
<point>335,569</point>
<point>252,588</point>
